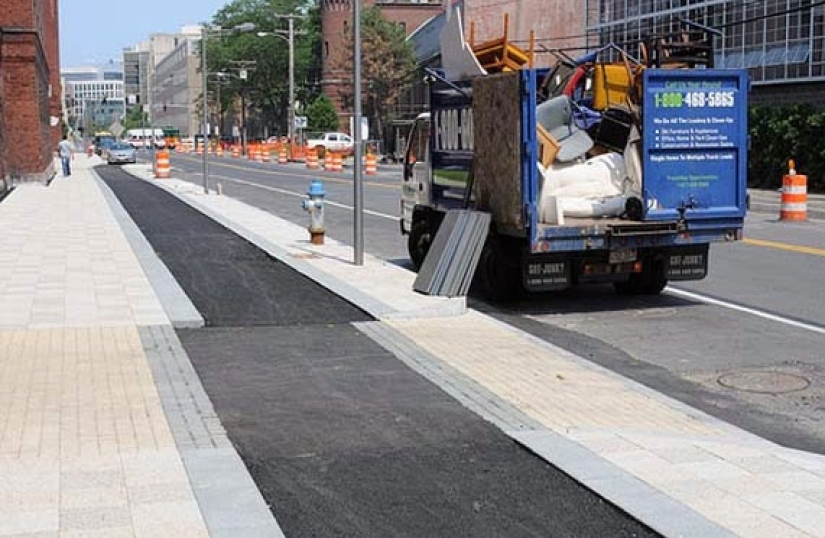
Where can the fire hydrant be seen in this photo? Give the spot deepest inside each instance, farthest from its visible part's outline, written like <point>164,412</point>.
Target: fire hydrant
<point>315,205</point>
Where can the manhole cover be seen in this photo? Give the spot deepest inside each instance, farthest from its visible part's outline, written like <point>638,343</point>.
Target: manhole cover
<point>764,382</point>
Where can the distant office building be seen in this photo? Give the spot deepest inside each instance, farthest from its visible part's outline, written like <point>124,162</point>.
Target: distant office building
<point>780,42</point>
<point>30,104</point>
<point>140,63</point>
<point>94,97</point>
<point>177,89</point>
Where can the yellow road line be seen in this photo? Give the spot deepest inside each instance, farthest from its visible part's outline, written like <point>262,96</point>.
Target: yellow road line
<point>785,246</point>
<point>282,172</point>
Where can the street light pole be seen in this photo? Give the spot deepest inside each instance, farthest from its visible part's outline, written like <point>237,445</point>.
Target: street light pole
<point>358,185</point>
<point>291,109</point>
<point>205,127</point>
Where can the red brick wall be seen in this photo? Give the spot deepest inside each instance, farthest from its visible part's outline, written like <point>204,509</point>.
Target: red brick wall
<point>28,65</point>
<point>552,22</point>
<point>335,14</point>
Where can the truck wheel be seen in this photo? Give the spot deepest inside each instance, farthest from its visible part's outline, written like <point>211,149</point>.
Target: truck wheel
<point>497,276</point>
<point>651,281</point>
<point>419,242</point>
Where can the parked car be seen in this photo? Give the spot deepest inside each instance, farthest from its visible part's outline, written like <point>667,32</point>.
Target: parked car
<point>102,141</point>
<point>337,142</point>
<point>120,153</point>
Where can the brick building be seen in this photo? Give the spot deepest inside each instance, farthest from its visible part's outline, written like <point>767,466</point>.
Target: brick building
<point>30,101</point>
<point>336,15</point>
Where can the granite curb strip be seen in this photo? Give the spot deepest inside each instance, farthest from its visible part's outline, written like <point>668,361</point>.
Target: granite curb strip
<point>637,498</point>
<point>220,481</point>
<point>179,309</point>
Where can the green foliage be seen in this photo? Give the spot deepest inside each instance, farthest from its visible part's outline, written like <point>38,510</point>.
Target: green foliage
<point>321,115</point>
<point>387,65</point>
<point>135,118</point>
<point>779,134</point>
<point>267,58</point>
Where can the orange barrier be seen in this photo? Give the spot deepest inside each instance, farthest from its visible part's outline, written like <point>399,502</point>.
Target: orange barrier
<point>282,157</point>
<point>329,161</point>
<point>312,159</point>
<point>370,164</point>
<point>219,150</point>
<point>266,155</point>
<point>236,152</point>
<point>250,152</point>
<point>794,196</point>
<point>259,155</point>
<point>337,162</point>
<point>199,151</point>
<point>162,169</point>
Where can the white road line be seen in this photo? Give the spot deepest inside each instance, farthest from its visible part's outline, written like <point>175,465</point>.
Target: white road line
<point>303,195</point>
<point>745,309</point>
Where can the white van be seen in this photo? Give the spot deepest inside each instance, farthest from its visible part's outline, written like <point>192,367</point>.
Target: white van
<point>140,138</point>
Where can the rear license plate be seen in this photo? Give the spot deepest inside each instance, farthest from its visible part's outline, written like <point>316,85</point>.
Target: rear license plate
<point>623,255</point>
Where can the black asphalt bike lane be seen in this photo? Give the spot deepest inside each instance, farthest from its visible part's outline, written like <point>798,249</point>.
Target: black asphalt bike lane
<point>340,436</point>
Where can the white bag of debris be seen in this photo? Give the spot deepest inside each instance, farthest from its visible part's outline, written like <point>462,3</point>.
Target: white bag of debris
<point>597,187</point>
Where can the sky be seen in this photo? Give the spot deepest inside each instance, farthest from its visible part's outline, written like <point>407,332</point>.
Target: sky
<point>94,31</point>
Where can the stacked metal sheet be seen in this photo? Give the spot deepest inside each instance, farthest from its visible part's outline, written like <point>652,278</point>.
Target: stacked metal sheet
<point>451,262</point>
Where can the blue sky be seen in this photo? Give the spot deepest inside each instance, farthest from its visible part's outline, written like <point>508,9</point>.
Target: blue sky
<point>92,31</point>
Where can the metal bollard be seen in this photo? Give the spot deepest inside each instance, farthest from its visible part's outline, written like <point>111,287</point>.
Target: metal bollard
<point>314,204</point>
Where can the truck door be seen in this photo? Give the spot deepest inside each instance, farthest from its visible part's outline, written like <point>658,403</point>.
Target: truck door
<point>415,189</point>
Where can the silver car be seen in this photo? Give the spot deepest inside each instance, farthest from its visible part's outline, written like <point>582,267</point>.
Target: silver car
<point>120,153</point>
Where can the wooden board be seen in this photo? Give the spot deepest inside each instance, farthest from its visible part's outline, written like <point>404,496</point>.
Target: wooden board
<point>497,151</point>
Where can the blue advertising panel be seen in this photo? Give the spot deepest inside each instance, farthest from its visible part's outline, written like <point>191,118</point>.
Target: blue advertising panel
<point>695,143</point>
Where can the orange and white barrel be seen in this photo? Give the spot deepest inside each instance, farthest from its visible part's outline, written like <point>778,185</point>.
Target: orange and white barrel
<point>370,164</point>
<point>337,163</point>
<point>329,161</point>
<point>282,157</point>
<point>312,159</point>
<point>794,204</point>
<point>162,168</point>
<point>236,151</point>
<point>266,154</point>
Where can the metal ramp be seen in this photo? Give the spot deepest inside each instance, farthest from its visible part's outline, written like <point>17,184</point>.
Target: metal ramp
<point>451,262</point>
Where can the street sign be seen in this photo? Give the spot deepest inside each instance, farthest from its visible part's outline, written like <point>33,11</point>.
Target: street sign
<point>116,129</point>
<point>300,122</point>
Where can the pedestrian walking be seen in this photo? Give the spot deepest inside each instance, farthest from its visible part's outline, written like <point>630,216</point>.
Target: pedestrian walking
<point>66,152</point>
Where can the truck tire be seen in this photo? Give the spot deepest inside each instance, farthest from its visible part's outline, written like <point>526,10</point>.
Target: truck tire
<point>419,241</point>
<point>498,276</point>
<point>651,281</point>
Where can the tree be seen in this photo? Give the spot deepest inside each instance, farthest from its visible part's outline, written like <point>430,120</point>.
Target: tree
<point>321,115</point>
<point>135,118</point>
<point>266,88</point>
<point>387,65</point>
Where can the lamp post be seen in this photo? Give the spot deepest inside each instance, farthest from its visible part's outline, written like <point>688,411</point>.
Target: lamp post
<point>357,180</point>
<point>205,32</point>
<point>290,39</point>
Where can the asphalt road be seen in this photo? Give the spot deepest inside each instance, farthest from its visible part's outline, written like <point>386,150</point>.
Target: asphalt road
<point>341,437</point>
<point>756,319</point>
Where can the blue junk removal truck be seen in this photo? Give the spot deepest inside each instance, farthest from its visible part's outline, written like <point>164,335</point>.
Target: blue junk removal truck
<point>583,186</point>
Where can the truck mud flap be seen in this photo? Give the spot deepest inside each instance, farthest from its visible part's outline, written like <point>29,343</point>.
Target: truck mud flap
<point>687,264</point>
<point>547,275</point>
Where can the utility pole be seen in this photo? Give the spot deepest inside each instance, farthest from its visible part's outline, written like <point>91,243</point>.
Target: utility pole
<point>290,39</point>
<point>357,182</point>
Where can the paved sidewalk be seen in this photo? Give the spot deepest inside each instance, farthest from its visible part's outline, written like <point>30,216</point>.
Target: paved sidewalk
<point>104,427</point>
<point>675,468</point>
